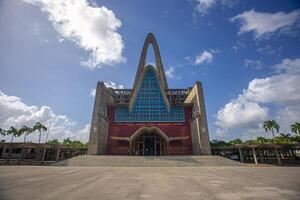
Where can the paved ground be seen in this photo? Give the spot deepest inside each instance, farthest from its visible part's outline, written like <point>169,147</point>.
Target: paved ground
<point>105,183</point>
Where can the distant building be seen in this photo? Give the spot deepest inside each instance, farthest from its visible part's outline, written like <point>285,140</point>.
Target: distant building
<point>150,118</point>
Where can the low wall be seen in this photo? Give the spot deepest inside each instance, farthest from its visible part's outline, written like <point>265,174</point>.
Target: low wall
<point>33,153</point>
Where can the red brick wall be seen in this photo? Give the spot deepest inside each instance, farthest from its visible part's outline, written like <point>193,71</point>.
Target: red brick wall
<point>171,129</point>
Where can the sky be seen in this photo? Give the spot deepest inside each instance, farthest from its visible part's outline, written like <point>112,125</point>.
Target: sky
<point>245,53</point>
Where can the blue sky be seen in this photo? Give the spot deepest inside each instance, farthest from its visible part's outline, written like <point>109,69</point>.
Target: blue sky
<point>246,54</point>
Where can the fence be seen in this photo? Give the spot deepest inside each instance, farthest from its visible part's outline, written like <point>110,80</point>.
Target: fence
<point>261,153</point>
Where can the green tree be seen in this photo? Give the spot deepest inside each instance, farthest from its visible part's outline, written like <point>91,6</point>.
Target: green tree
<point>13,132</point>
<point>2,132</point>
<point>284,139</point>
<point>295,128</point>
<point>249,142</point>
<point>74,143</point>
<point>270,125</point>
<point>54,141</point>
<point>219,143</point>
<point>235,141</point>
<point>40,127</point>
<point>296,139</point>
<point>262,140</point>
<point>26,131</point>
<point>67,142</point>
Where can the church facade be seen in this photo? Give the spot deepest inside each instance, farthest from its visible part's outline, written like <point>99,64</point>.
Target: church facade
<point>149,119</point>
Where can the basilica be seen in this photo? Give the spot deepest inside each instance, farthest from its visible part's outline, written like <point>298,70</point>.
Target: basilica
<point>150,119</point>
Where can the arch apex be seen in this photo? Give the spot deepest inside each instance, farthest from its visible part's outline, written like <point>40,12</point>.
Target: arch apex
<point>150,39</point>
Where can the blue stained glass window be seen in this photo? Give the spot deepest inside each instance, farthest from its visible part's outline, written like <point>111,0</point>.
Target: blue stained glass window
<point>149,105</point>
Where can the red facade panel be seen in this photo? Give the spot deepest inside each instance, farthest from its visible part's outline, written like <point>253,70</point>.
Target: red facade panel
<point>171,129</point>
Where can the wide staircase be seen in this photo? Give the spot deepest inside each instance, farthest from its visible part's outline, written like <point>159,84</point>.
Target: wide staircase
<point>147,161</point>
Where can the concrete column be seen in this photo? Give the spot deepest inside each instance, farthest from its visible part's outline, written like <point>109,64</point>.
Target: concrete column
<point>9,155</point>
<point>168,144</point>
<point>261,158</point>
<point>3,152</point>
<point>43,156</point>
<point>57,155</point>
<point>254,155</point>
<point>130,148</point>
<point>277,156</point>
<point>199,128</point>
<point>291,155</point>
<point>37,154</point>
<point>21,157</point>
<point>241,155</point>
<point>99,125</point>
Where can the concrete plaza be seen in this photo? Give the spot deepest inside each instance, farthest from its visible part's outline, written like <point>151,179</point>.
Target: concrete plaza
<point>105,183</point>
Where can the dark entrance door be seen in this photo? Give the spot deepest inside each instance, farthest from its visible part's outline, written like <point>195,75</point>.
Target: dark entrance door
<point>149,146</point>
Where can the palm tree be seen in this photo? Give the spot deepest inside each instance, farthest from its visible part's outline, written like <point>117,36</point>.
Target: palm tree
<point>26,130</point>
<point>2,132</point>
<point>295,128</point>
<point>270,125</point>
<point>13,132</point>
<point>40,127</point>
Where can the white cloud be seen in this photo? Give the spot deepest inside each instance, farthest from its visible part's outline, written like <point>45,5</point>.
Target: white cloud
<point>203,6</point>
<point>108,84</point>
<point>287,116</point>
<point>93,92</point>
<point>241,113</point>
<point>94,29</point>
<point>279,89</point>
<point>268,50</point>
<point>234,48</point>
<point>113,85</point>
<point>264,24</point>
<point>16,113</point>
<point>205,57</point>
<point>279,93</point>
<point>255,64</point>
<point>170,73</point>
<point>289,66</point>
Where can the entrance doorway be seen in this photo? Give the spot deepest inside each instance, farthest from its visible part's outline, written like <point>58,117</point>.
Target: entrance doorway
<point>149,144</point>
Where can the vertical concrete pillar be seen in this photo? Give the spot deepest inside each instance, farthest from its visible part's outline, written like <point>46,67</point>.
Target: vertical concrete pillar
<point>99,125</point>
<point>277,156</point>
<point>57,155</point>
<point>3,152</point>
<point>22,155</point>
<point>291,156</point>
<point>254,155</point>
<point>199,128</point>
<point>168,144</point>
<point>43,155</point>
<point>261,158</point>
<point>241,155</point>
<point>9,154</point>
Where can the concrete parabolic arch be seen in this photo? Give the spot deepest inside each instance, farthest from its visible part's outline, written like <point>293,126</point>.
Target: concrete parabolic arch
<point>150,39</point>
<point>144,130</point>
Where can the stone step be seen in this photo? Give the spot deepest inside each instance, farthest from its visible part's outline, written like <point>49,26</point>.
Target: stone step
<point>148,161</point>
